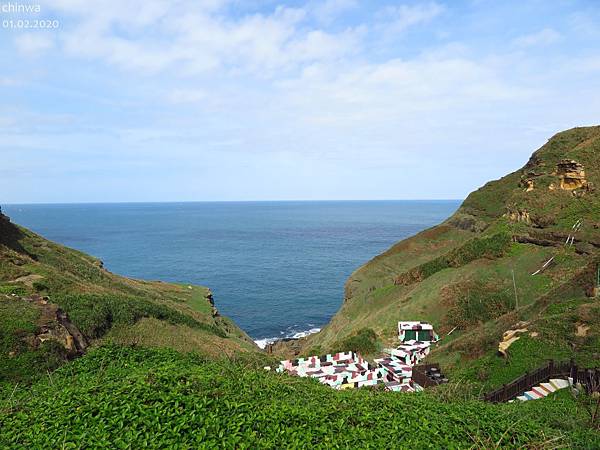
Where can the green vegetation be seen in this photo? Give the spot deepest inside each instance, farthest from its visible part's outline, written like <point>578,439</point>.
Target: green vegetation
<point>364,342</point>
<point>476,302</point>
<point>123,397</point>
<point>9,289</point>
<point>95,314</point>
<point>488,247</point>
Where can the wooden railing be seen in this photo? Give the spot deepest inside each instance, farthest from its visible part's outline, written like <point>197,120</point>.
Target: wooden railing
<point>589,378</point>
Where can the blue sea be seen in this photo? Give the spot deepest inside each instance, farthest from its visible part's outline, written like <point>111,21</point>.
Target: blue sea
<point>277,268</point>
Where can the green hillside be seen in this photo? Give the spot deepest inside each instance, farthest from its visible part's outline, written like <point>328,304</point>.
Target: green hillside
<point>100,306</point>
<point>459,274</point>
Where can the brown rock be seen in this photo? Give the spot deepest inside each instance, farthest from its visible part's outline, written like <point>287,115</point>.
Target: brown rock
<point>518,215</point>
<point>571,174</point>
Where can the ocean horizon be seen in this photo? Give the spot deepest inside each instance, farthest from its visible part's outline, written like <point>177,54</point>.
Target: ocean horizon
<point>277,268</point>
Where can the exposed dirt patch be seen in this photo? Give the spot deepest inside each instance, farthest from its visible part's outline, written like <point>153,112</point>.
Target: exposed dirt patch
<point>582,330</point>
<point>28,280</point>
<point>435,232</point>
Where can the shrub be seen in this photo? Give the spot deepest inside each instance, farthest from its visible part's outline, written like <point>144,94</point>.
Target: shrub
<point>494,246</point>
<point>474,302</point>
<point>9,289</point>
<point>363,342</point>
<point>40,286</point>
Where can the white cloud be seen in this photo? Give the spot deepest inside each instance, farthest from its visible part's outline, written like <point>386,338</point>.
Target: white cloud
<point>9,82</point>
<point>196,38</point>
<point>32,44</point>
<point>585,23</point>
<point>322,88</point>
<point>182,96</point>
<point>399,18</point>
<point>546,36</point>
<point>327,10</point>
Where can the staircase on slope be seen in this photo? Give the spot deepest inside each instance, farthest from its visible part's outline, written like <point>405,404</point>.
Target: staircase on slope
<point>544,389</point>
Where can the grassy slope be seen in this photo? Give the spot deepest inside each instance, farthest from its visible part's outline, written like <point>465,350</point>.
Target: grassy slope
<point>119,397</point>
<point>476,294</point>
<point>104,306</point>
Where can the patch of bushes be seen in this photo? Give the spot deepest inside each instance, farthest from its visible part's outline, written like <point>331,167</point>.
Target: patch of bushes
<point>40,286</point>
<point>19,361</point>
<point>27,364</point>
<point>9,289</point>
<point>364,342</point>
<point>95,314</point>
<point>494,246</point>
<point>474,302</point>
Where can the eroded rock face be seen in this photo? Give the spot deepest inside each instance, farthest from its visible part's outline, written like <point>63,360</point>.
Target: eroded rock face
<point>54,325</point>
<point>215,311</point>
<point>518,215</point>
<point>529,185</point>
<point>529,175</point>
<point>571,175</point>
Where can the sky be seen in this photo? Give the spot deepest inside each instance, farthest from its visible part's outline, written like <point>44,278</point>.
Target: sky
<point>230,100</point>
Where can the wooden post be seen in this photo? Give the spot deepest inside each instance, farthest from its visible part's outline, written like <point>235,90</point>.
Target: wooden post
<point>515,287</point>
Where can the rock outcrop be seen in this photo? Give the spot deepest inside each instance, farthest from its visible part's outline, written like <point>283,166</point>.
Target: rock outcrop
<point>571,175</point>
<point>54,325</point>
<point>518,215</point>
<point>211,301</point>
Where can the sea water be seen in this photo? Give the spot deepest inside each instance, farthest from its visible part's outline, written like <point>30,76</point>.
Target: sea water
<point>277,268</point>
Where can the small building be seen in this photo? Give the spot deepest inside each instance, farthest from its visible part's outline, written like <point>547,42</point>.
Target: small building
<point>348,370</point>
<point>415,342</point>
<point>416,331</point>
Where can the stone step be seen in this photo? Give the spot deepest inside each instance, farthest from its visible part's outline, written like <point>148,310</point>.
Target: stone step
<point>559,383</point>
<point>522,398</point>
<point>540,390</point>
<point>532,395</point>
<point>548,387</point>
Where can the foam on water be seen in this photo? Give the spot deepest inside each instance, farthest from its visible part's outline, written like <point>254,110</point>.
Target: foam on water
<point>262,343</point>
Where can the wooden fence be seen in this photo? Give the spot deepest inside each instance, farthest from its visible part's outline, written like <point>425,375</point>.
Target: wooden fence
<point>419,375</point>
<point>589,378</point>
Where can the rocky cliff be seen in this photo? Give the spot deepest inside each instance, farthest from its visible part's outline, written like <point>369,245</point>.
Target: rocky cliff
<point>513,249</point>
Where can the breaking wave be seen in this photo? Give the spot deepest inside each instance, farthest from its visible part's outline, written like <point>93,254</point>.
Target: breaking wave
<point>262,343</point>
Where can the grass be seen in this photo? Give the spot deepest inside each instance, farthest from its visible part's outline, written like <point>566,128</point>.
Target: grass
<point>124,397</point>
<point>199,298</point>
<point>525,355</point>
<point>156,333</point>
